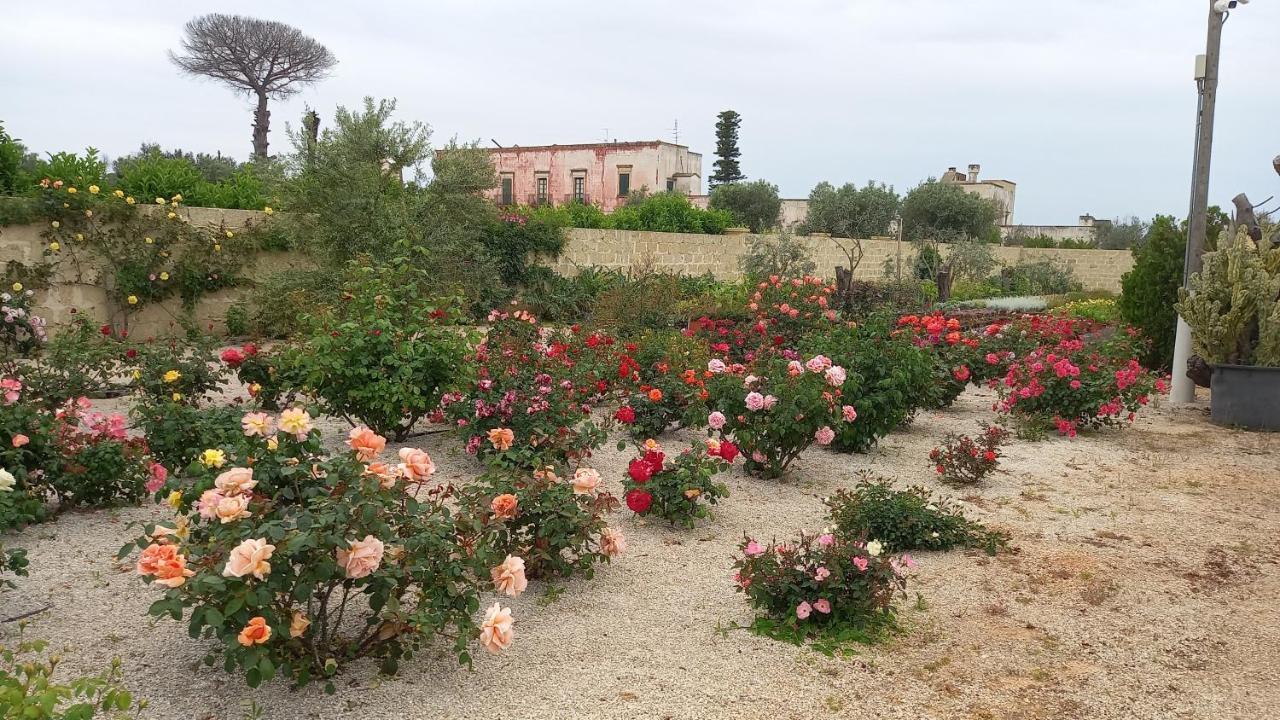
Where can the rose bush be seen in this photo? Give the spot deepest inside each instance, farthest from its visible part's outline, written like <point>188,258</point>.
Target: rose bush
<point>910,519</point>
<point>678,490</point>
<point>298,562</point>
<point>954,352</point>
<point>962,460</point>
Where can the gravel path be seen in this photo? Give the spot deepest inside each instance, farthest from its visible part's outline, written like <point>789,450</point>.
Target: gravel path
<point>1144,585</point>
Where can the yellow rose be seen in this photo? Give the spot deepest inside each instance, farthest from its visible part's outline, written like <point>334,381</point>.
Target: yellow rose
<point>164,276</point>
<point>273,443</point>
<point>130,200</point>
<point>147,240</point>
<point>172,376</point>
<point>213,458</point>
<point>177,397</point>
<point>88,213</point>
<point>173,215</point>
<point>217,247</point>
<point>93,189</point>
<point>71,191</point>
<point>55,246</point>
<point>132,299</point>
<point>159,201</point>
<point>56,224</point>
<point>137,374</point>
<point>17,287</point>
<point>177,198</point>
<point>268,210</point>
<point>118,193</point>
<point>230,235</point>
<point>175,499</point>
<point>80,237</point>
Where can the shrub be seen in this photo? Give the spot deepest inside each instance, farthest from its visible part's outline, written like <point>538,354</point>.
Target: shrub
<point>303,562</point>
<point>22,333</point>
<point>30,449</point>
<point>1099,310</point>
<point>1042,277</point>
<point>28,688</point>
<point>787,309</point>
<point>866,298</point>
<point>778,413</point>
<point>177,432</point>
<point>97,463</point>
<point>850,212</point>
<point>173,370</point>
<point>668,384</point>
<point>679,491</point>
<point>754,205</point>
<point>1150,289</point>
<point>384,356</point>
<point>893,378</point>
<point>1073,386</point>
<point>903,520</point>
<point>972,260</point>
<point>12,560</point>
<point>776,256</point>
<point>823,587</point>
<point>962,460</point>
<point>271,376</point>
<point>530,402</point>
<point>515,239</point>
<point>278,303</point>
<point>954,353</point>
<point>669,212</point>
<point>555,524</point>
<point>81,360</point>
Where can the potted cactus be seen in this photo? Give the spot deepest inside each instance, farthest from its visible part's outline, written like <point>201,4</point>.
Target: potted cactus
<point>1233,309</point>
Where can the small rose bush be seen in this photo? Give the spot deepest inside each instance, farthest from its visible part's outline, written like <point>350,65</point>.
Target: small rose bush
<point>33,688</point>
<point>822,585</point>
<point>903,520</point>
<point>552,518</point>
<point>297,562</point>
<point>963,460</point>
<point>775,415</point>
<point>173,370</point>
<point>679,490</point>
<point>269,374</point>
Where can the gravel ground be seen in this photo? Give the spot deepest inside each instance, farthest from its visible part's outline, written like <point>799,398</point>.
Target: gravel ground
<point>1144,585</point>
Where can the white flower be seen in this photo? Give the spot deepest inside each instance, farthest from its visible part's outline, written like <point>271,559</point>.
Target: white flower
<point>934,535</point>
<point>7,481</point>
<point>874,547</point>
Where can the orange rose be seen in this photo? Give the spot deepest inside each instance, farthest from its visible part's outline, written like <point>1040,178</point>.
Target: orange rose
<point>256,632</point>
<point>504,506</point>
<point>366,443</point>
<point>230,509</point>
<point>298,625</point>
<point>165,565</point>
<point>235,481</point>
<point>501,438</point>
<point>250,558</point>
<point>362,557</point>
<point>655,395</point>
<point>385,473</point>
<point>585,481</point>
<point>416,464</point>
<point>612,543</point>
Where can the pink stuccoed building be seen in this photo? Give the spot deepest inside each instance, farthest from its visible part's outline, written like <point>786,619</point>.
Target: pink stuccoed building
<point>602,174</point>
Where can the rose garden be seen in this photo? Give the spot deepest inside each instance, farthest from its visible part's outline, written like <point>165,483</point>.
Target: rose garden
<point>401,482</point>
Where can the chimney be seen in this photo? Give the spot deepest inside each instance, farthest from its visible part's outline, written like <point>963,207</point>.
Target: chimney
<point>1086,220</point>
<point>973,172</point>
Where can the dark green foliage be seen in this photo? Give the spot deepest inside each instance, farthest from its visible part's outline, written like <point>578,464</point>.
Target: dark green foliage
<point>177,432</point>
<point>12,153</point>
<point>727,152</point>
<point>153,173</point>
<point>1150,289</point>
<point>669,212</point>
<point>754,205</point>
<point>851,212</point>
<point>906,520</point>
<point>943,212</point>
<point>1120,234</point>
<point>928,260</point>
<point>514,240</point>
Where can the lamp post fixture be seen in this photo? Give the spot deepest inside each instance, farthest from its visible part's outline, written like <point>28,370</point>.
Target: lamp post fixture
<point>1183,389</point>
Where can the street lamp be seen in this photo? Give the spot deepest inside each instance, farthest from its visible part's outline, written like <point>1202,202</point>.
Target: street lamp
<point>1183,389</point>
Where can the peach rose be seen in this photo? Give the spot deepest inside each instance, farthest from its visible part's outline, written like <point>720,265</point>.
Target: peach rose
<point>495,631</point>
<point>236,481</point>
<point>612,543</point>
<point>257,424</point>
<point>298,625</point>
<point>207,505</point>
<point>296,422</point>
<point>501,438</point>
<point>386,474</point>
<point>509,576</point>
<point>504,506</point>
<point>366,443</point>
<point>19,440</point>
<point>257,632</point>
<point>165,565</point>
<point>416,464</point>
<point>250,558</point>
<point>585,481</point>
<point>230,509</point>
<point>362,558</point>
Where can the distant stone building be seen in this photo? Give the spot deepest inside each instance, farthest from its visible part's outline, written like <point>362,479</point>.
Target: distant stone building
<point>1084,232</point>
<point>602,174</point>
<point>1000,192</point>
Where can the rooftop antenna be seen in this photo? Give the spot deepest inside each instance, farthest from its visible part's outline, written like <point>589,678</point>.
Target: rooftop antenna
<point>675,131</point>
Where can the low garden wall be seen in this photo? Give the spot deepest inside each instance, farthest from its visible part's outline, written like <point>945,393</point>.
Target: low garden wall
<point>67,297</point>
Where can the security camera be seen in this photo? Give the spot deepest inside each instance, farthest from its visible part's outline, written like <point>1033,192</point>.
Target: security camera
<point>1222,6</point>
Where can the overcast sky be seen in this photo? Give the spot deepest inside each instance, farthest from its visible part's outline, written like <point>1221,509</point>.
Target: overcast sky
<point>1088,105</point>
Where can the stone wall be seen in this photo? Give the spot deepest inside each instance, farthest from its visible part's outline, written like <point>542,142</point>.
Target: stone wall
<point>719,255</point>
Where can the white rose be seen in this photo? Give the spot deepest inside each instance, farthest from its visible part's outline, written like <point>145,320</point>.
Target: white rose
<point>7,481</point>
<point>874,547</point>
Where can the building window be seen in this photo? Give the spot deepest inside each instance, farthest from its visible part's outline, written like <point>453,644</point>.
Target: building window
<point>542,190</point>
<point>671,184</point>
<point>579,188</point>
<point>624,180</point>
<point>508,188</point>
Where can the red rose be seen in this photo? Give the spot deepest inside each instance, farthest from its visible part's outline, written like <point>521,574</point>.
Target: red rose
<point>250,349</point>
<point>640,471</point>
<point>131,353</point>
<point>625,415</point>
<point>991,456</point>
<point>941,469</point>
<point>105,330</point>
<point>232,357</point>
<point>654,459</point>
<point>728,451</point>
<point>639,501</point>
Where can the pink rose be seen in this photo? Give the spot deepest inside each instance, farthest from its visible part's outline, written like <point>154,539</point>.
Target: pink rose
<point>585,481</point>
<point>861,563</point>
<point>821,574</point>
<point>826,540</point>
<point>509,576</point>
<point>257,424</point>
<point>157,474</point>
<point>612,543</point>
<point>803,610</point>
<point>207,505</point>
<point>495,631</point>
<point>416,464</point>
<point>361,558</point>
<point>835,376</point>
<point>250,558</point>
<point>794,368</point>
<point>850,414</point>
<point>754,549</point>
<point>759,457</point>
<point>824,435</point>
<point>823,606</point>
<point>236,481</point>
<point>755,401</point>
<point>716,366</point>
<point>19,440</point>
<point>769,402</point>
<point>716,420</point>
<point>818,363</point>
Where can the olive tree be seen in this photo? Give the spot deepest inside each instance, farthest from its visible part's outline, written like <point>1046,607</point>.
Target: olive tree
<point>754,204</point>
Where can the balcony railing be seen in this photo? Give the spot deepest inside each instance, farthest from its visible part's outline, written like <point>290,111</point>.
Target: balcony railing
<point>538,199</point>
<point>577,197</point>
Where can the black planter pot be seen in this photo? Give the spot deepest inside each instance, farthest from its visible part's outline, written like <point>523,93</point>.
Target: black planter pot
<point>1245,396</point>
